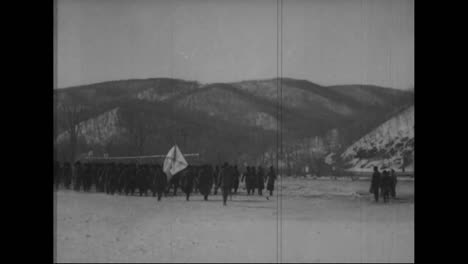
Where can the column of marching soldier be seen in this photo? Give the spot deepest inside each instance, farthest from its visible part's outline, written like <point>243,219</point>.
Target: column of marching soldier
<point>139,179</point>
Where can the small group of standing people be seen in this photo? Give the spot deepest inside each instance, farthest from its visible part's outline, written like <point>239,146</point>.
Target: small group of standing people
<point>384,184</point>
<point>255,178</point>
<point>229,180</point>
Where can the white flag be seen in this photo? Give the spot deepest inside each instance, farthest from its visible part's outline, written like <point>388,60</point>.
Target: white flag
<point>174,162</point>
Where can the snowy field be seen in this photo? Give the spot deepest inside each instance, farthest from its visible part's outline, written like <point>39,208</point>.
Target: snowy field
<point>322,221</point>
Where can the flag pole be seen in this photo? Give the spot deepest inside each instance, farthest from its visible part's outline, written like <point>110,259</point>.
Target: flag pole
<point>139,157</point>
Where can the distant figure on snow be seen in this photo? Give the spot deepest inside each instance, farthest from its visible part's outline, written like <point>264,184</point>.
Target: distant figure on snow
<point>385,185</point>
<point>394,182</point>
<point>226,180</point>
<point>260,180</point>
<point>375,184</point>
<point>271,181</point>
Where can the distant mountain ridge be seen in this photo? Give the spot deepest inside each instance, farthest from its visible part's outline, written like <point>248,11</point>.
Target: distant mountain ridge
<point>239,110</point>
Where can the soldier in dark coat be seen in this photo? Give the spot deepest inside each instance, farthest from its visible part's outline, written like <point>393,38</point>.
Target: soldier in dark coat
<point>235,184</point>
<point>393,176</point>
<point>271,177</point>
<point>244,177</point>
<point>101,177</point>
<point>57,174</point>
<point>174,183</point>
<point>196,180</point>
<point>187,177</point>
<point>120,180</point>
<point>205,180</point>
<point>125,177</point>
<point>104,176</point>
<point>226,180</point>
<point>81,176</point>
<point>375,184</point>
<point>253,179</point>
<point>92,176</point>
<point>385,185</point>
<point>78,176</point>
<point>141,179</point>
<point>111,177</point>
<point>216,179</point>
<point>67,175</point>
<point>260,180</point>
<point>247,177</point>
<point>85,176</point>
<point>92,180</point>
<point>159,182</point>
<point>132,180</point>
<point>97,179</point>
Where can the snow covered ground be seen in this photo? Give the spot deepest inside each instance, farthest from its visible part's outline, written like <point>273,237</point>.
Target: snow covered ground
<point>322,221</point>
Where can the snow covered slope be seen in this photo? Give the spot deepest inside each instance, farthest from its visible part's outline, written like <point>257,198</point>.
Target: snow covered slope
<point>390,145</point>
<point>98,130</point>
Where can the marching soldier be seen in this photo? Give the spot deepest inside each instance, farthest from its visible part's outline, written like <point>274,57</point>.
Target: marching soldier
<point>141,179</point>
<point>394,182</point>
<point>87,177</point>
<point>375,184</point>
<point>67,175</point>
<point>260,182</point>
<point>385,185</point>
<point>57,174</point>
<point>246,177</point>
<point>119,179</point>
<point>216,179</point>
<point>132,178</point>
<point>187,177</point>
<point>271,181</point>
<point>126,178</point>
<point>226,180</point>
<point>253,179</point>
<point>78,176</point>
<point>205,180</point>
<point>100,177</point>
<point>110,178</point>
<point>236,179</point>
<point>160,181</point>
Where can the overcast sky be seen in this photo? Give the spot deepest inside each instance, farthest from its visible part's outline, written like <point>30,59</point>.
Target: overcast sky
<point>327,42</point>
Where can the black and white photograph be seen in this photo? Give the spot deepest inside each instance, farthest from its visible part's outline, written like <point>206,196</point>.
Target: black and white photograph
<point>239,131</point>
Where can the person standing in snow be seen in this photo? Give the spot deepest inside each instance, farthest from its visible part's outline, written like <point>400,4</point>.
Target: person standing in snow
<point>226,180</point>
<point>57,174</point>
<point>78,175</point>
<point>236,179</point>
<point>253,177</point>
<point>260,180</point>
<point>186,179</point>
<point>394,182</point>
<point>205,180</point>
<point>385,185</point>
<point>249,180</point>
<point>271,181</point>
<point>67,175</point>
<point>375,184</point>
<point>216,179</point>
<point>160,181</point>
